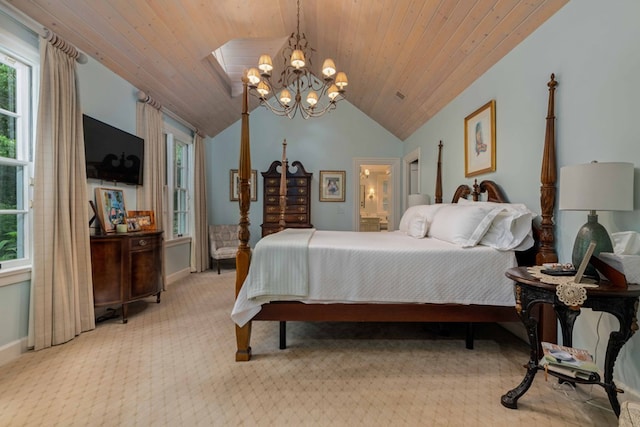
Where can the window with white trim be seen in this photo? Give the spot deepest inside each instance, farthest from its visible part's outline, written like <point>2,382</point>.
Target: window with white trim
<point>180,182</point>
<point>15,160</point>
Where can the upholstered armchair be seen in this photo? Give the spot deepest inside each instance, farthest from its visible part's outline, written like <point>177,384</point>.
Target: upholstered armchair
<point>223,242</point>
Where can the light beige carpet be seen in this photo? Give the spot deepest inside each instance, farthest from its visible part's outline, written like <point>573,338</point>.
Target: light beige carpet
<point>173,365</point>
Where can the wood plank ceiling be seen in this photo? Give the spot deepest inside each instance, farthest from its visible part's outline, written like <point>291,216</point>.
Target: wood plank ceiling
<point>427,50</point>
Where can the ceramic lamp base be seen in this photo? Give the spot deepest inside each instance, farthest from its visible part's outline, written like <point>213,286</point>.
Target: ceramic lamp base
<point>591,231</point>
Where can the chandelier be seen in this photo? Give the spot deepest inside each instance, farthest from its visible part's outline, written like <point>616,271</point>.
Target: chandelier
<point>320,95</point>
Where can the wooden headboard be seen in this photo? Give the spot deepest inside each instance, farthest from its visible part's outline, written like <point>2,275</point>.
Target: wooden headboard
<point>493,191</point>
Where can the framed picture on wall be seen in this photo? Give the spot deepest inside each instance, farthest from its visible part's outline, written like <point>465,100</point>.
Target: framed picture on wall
<point>234,185</point>
<point>332,185</point>
<point>111,208</point>
<point>480,140</point>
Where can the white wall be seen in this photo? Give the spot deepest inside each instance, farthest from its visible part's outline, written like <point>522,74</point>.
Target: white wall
<point>326,143</point>
<point>593,48</point>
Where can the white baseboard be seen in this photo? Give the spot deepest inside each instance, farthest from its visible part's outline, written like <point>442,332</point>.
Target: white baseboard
<point>181,274</point>
<point>13,350</point>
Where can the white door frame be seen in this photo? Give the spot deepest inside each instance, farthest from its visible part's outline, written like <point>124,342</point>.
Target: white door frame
<point>406,173</point>
<point>394,203</point>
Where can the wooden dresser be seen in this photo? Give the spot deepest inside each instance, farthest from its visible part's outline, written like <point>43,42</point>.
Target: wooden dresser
<point>298,211</point>
<point>126,267</point>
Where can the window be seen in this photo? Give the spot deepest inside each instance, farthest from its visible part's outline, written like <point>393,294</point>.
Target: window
<point>15,160</point>
<point>179,182</point>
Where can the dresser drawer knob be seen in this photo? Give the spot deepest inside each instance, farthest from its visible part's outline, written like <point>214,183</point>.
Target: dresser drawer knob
<point>142,243</point>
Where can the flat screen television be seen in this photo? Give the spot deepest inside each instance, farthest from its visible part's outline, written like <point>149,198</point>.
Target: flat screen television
<point>112,154</point>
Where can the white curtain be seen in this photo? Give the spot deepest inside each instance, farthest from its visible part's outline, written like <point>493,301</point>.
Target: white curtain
<point>150,194</point>
<point>199,241</point>
<point>62,286</point>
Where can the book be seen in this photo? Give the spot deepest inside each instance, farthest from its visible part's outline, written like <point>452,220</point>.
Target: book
<point>569,361</point>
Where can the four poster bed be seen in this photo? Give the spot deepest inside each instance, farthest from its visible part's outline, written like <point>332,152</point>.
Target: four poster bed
<point>338,291</point>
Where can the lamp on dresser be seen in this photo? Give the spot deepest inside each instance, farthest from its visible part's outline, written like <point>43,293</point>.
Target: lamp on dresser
<point>595,187</point>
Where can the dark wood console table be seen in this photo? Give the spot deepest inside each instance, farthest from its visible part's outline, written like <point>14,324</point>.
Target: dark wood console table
<point>622,303</point>
<point>126,267</point>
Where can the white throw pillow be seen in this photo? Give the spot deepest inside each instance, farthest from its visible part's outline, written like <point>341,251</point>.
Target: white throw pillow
<point>418,227</point>
<point>463,225</point>
<point>426,211</point>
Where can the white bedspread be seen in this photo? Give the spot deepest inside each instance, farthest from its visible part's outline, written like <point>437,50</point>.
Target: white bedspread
<point>288,251</point>
<point>395,268</point>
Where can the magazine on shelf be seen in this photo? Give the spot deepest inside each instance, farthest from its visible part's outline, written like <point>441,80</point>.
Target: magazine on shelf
<point>569,361</point>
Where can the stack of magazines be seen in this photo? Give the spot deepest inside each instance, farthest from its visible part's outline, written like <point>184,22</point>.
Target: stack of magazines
<point>568,361</point>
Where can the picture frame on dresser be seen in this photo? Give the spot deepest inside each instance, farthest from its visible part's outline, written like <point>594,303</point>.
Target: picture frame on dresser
<point>141,221</point>
<point>332,186</point>
<point>480,140</point>
<point>111,208</point>
<point>234,185</point>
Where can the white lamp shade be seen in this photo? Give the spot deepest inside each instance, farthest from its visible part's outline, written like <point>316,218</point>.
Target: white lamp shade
<point>417,199</point>
<point>597,187</point>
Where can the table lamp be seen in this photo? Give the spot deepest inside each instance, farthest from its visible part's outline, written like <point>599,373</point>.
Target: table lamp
<point>595,187</point>
<point>417,199</point>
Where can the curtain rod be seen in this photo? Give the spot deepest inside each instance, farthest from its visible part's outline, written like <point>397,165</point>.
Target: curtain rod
<point>144,97</point>
<point>42,31</point>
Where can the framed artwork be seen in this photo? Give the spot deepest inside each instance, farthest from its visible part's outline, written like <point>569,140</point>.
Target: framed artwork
<point>480,140</point>
<point>234,185</point>
<point>141,221</point>
<point>111,208</point>
<point>332,185</point>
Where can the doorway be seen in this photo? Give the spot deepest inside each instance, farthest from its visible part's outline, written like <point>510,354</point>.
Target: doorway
<point>378,189</point>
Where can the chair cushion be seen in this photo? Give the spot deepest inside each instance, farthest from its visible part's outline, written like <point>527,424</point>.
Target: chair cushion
<point>225,253</point>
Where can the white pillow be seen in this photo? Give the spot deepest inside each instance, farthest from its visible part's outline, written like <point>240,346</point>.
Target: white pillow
<point>510,229</point>
<point>427,211</point>
<point>463,224</point>
<point>418,227</point>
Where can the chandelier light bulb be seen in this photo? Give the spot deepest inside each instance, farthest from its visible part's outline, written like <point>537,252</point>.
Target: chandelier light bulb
<point>297,59</point>
<point>328,67</point>
<point>333,92</point>
<point>263,89</point>
<point>285,97</point>
<point>312,98</point>
<point>341,80</point>
<point>265,65</point>
<point>254,76</point>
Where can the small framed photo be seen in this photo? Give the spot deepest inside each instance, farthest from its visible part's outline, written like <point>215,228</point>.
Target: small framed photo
<point>132,224</point>
<point>480,140</point>
<point>141,220</point>
<point>332,186</point>
<point>234,185</point>
<point>111,208</point>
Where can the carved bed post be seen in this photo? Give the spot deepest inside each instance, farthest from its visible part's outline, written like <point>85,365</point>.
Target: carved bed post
<point>439,175</point>
<point>243,257</point>
<point>547,251</point>
<point>283,186</point>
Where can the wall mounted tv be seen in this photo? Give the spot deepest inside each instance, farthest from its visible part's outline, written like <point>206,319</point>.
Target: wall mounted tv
<point>112,154</point>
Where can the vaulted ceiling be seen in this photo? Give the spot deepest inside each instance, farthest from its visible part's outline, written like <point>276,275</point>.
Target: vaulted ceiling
<point>428,51</point>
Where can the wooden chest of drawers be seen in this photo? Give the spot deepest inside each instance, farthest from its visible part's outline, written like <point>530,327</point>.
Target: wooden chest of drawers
<point>127,267</point>
<point>298,209</point>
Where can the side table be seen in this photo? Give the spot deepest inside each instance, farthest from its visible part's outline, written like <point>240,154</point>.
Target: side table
<point>622,303</point>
